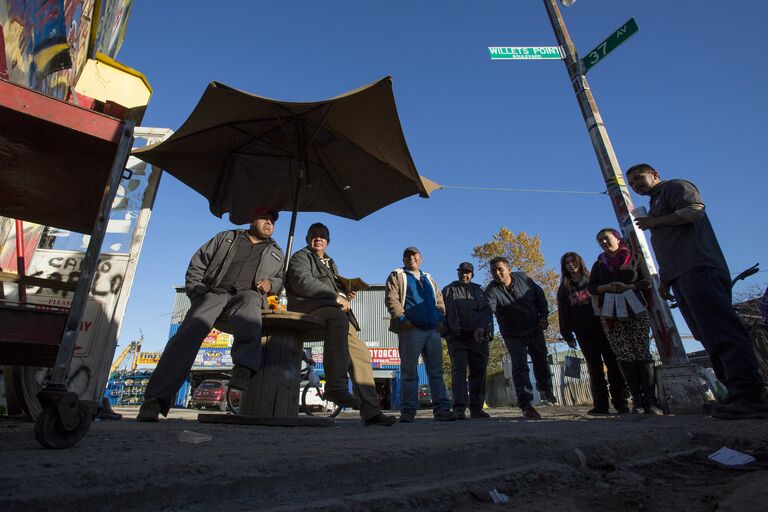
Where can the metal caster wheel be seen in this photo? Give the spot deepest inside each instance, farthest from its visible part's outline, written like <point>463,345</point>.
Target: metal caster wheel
<point>50,432</point>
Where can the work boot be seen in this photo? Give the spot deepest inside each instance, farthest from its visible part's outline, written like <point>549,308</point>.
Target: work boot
<point>407,416</point>
<point>741,408</point>
<point>460,414</point>
<point>150,410</point>
<point>530,413</point>
<point>479,414</point>
<point>342,398</point>
<point>380,420</point>
<point>445,415</point>
<point>241,377</point>
<point>549,397</point>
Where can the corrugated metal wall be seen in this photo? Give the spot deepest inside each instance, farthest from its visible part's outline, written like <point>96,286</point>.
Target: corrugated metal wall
<point>373,317</point>
<point>181,305</point>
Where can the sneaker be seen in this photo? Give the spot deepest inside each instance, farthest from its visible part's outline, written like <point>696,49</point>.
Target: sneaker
<point>407,416</point>
<point>381,420</point>
<point>741,408</point>
<point>342,398</point>
<point>530,413</point>
<point>460,415</point>
<point>241,377</point>
<point>150,410</point>
<point>445,415</point>
<point>599,411</point>
<point>548,396</point>
<point>479,415</point>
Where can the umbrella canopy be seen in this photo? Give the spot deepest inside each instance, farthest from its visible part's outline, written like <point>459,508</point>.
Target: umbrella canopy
<point>346,156</point>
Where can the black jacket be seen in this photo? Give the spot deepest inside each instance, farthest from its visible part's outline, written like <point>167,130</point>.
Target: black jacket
<point>518,313</point>
<point>467,309</point>
<point>311,285</point>
<point>211,262</point>
<point>575,312</point>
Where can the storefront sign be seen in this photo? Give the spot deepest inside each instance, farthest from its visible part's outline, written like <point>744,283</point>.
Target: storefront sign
<point>385,356</point>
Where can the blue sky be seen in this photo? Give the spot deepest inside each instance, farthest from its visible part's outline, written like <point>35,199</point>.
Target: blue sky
<point>683,94</point>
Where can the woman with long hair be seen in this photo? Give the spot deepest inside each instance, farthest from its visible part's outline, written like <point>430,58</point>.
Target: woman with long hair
<point>613,274</point>
<point>579,322</point>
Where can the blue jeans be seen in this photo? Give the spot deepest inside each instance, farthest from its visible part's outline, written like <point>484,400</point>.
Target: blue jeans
<point>414,342</point>
<point>519,349</point>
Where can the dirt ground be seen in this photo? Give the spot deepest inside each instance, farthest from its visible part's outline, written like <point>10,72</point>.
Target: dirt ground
<point>568,461</point>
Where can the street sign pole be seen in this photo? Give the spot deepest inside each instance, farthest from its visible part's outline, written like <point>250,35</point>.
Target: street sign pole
<point>667,338</point>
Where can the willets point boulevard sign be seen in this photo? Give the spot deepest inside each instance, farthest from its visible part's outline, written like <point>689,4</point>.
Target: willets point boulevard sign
<point>524,53</point>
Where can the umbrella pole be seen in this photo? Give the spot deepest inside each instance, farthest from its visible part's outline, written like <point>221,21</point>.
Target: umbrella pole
<point>294,213</point>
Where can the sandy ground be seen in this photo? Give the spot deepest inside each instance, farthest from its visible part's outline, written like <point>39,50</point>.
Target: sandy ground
<point>568,461</point>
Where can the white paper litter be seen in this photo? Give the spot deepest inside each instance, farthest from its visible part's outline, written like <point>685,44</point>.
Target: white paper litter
<point>498,497</point>
<point>187,436</point>
<point>730,457</point>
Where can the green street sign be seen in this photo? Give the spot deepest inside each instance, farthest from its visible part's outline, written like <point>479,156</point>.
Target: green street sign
<point>524,53</point>
<point>610,44</point>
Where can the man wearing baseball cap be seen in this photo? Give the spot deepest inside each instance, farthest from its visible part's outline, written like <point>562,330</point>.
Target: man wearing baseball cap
<point>230,276</point>
<point>417,312</point>
<point>469,322</point>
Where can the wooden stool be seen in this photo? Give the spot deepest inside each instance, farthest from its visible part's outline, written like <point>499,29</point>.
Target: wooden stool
<point>273,396</point>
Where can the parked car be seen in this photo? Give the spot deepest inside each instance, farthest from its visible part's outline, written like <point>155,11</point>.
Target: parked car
<point>210,393</point>
<point>425,396</point>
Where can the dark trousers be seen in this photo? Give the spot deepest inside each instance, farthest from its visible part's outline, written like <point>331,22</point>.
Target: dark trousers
<point>468,354</point>
<point>704,297</point>
<point>519,348</point>
<point>243,315</point>
<point>597,352</point>
<point>345,353</point>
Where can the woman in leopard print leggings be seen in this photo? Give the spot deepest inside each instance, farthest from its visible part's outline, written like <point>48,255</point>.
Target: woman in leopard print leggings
<point>615,272</point>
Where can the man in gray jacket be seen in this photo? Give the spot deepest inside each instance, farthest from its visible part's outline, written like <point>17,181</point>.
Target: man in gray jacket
<point>228,277</point>
<point>469,319</point>
<point>314,286</point>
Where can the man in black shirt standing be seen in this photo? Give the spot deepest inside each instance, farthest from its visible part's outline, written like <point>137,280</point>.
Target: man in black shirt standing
<point>230,275</point>
<point>469,321</point>
<point>692,265</point>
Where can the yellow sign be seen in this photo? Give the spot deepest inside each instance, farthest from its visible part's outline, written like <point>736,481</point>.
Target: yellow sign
<point>218,339</point>
<point>149,357</point>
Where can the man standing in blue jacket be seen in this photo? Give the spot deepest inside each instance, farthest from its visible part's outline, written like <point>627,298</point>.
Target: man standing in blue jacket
<point>469,321</point>
<point>522,313</point>
<point>417,311</point>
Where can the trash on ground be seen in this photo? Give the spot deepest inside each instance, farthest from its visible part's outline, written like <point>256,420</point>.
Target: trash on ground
<point>187,436</point>
<point>498,497</point>
<point>730,457</point>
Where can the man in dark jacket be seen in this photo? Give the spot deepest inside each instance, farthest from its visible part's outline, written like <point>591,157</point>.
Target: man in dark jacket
<point>314,286</point>
<point>692,265</point>
<point>522,313</point>
<point>469,322</point>
<point>228,277</point>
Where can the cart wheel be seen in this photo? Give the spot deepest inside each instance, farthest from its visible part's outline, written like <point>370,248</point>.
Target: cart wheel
<point>50,433</point>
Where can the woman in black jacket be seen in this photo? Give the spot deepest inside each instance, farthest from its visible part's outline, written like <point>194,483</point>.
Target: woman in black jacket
<point>577,317</point>
<point>614,273</point>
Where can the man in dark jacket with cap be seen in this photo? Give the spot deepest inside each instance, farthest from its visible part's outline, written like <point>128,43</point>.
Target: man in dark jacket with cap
<point>469,322</point>
<point>314,286</point>
<point>230,277</point>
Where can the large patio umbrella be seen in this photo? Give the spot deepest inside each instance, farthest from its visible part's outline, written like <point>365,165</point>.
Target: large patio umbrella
<point>346,156</point>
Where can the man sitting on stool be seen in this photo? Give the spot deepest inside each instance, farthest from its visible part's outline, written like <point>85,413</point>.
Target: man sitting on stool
<point>231,274</point>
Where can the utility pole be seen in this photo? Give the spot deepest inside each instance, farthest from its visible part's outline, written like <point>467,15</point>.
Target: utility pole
<point>680,386</point>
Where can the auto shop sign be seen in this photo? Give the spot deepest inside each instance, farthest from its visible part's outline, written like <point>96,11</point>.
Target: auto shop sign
<point>385,356</point>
